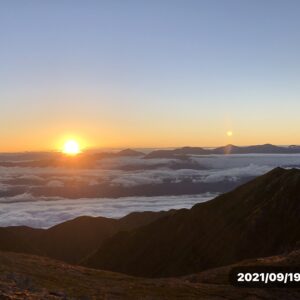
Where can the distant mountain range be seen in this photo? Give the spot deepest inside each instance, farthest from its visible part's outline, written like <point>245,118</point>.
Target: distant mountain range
<point>88,160</point>
<point>228,149</point>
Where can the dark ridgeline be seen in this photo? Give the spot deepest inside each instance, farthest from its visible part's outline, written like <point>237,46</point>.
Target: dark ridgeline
<point>73,240</point>
<point>122,153</point>
<point>87,159</point>
<point>228,149</point>
<point>259,218</point>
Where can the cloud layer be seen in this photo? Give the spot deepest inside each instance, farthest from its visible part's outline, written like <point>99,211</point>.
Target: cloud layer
<point>41,196</point>
<point>45,213</point>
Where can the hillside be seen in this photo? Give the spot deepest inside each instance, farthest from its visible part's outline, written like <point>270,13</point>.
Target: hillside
<point>25,277</point>
<point>71,241</point>
<point>260,218</point>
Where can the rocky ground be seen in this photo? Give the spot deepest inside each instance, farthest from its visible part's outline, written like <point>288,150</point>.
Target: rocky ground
<point>31,277</point>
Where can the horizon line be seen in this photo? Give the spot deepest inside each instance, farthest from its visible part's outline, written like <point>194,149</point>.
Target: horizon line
<point>154,148</point>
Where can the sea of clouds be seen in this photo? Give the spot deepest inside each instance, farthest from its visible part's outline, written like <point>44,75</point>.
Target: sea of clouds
<point>36,196</point>
<point>44,213</point>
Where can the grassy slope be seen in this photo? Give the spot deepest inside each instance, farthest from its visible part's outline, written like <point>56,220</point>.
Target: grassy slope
<point>31,277</point>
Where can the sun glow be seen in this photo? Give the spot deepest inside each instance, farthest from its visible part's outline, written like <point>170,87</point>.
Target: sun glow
<point>71,147</point>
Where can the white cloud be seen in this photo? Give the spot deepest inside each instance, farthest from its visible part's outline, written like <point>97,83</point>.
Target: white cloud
<point>49,212</point>
<point>235,174</point>
<point>93,182</point>
<point>110,163</point>
<point>244,160</point>
<point>39,211</point>
<point>31,177</point>
<point>25,197</point>
<point>55,183</point>
<point>216,168</point>
<point>4,187</point>
<point>136,178</point>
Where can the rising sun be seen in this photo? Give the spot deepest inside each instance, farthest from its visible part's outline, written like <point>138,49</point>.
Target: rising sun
<point>71,147</point>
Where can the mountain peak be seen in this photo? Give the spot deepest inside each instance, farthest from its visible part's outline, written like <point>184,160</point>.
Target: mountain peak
<point>130,152</point>
<point>268,205</point>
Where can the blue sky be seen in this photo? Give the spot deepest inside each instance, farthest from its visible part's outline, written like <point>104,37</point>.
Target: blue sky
<point>149,73</point>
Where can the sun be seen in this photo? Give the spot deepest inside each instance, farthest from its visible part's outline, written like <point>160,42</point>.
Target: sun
<point>71,147</point>
<point>229,133</point>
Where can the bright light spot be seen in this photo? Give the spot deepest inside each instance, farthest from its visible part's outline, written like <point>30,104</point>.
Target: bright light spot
<point>71,147</point>
<point>229,133</point>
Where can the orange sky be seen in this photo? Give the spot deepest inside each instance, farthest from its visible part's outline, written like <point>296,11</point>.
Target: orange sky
<point>43,139</point>
<point>148,73</point>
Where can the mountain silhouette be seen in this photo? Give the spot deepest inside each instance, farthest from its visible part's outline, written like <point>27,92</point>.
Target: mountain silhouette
<point>72,240</point>
<point>259,149</point>
<point>87,159</point>
<point>177,153</point>
<point>258,219</point>
<point>228,149</point>
<point>122,153</point>
<point>129,152</point>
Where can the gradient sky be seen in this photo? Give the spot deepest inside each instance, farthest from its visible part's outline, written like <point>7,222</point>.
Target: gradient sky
<point>149,73</point>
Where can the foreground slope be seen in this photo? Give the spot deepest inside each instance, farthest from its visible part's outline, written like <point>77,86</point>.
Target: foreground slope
<point>31,277</point>
<point>221,275</point>
<point>258,219</point>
